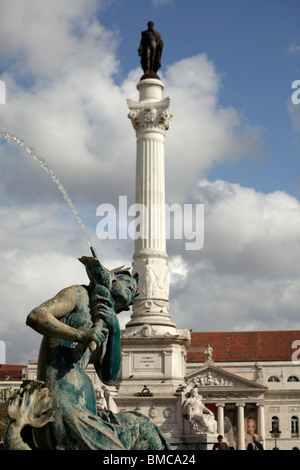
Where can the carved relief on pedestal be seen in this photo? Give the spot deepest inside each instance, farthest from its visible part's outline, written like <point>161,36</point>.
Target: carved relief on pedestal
<point>153,306</point>
<point>146,330</point>
<point>152,412</point>
<point>167,413</point>
<point>152,114</point>
<point>154,283</point>
<point>154,277</point>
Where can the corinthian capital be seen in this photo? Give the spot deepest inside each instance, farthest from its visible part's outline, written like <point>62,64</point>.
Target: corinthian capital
<point>147,115</point>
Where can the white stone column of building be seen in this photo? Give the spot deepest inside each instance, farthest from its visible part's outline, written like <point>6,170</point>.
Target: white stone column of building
<point>261,423</point>
<point>241,426</point>
<point>150,118</point>
<point>220,418</point>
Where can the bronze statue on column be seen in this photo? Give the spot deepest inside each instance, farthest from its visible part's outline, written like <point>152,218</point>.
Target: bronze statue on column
<point>150,51</point>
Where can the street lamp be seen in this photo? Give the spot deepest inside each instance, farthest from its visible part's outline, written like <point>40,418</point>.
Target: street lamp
<point>276,434</point>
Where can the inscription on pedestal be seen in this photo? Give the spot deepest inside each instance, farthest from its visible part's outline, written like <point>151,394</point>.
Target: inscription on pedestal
<point>147,361</point>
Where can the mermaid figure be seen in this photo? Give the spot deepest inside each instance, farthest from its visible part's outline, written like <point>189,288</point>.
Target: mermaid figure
<point>80,326</point>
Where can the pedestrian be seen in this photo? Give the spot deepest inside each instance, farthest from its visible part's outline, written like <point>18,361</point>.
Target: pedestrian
<point>220,445</point>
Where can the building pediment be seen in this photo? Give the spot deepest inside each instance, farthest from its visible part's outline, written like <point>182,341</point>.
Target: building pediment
<point>214,381</point>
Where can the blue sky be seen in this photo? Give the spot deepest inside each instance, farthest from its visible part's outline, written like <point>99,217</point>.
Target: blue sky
<point>228,67</point>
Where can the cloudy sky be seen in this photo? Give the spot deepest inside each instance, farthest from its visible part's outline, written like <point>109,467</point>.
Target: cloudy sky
<point>228,67</point>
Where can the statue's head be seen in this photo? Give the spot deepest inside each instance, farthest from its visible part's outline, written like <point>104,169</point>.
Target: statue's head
<point>194,392</point>
<point>150,24</point>
<point>122,285</point>
<point>124,290</point>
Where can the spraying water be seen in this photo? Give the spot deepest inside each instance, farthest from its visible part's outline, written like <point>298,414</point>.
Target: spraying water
<point>45,166</point>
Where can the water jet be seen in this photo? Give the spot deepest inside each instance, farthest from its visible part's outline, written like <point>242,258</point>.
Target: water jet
<point>12,138</point>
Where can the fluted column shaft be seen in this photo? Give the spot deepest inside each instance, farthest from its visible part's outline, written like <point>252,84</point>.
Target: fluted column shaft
<point>150,190</point>
<point>150,117</point>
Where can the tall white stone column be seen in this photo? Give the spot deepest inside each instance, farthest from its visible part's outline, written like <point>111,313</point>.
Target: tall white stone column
<point>261,423</point>
<point>150,117</point>
<point>220,418</point>
<point>153,349</point>
<point>241,424</point>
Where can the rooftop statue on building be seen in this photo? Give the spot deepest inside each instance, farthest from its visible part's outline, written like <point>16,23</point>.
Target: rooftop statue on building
<point>79,326</point>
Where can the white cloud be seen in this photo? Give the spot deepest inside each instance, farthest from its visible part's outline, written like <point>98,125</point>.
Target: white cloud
<point>250,232</point>
<point>44,39</point>
<point>203,133</point>
<point>179,269</point>
<point>246,276</point>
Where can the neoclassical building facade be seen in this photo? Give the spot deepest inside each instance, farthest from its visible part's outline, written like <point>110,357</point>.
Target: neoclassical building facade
<point>251,381</point>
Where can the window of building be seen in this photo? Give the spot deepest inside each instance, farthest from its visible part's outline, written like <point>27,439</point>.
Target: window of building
<point>275,424</point>
<point>273,378</point>
<point>294,426</point>
<point>293,378</point>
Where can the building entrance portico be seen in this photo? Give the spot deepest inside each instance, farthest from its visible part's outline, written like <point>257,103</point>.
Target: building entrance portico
<point>237,404</point>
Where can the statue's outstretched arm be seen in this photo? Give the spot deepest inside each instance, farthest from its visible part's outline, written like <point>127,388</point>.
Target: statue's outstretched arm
<point>45,319</point>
